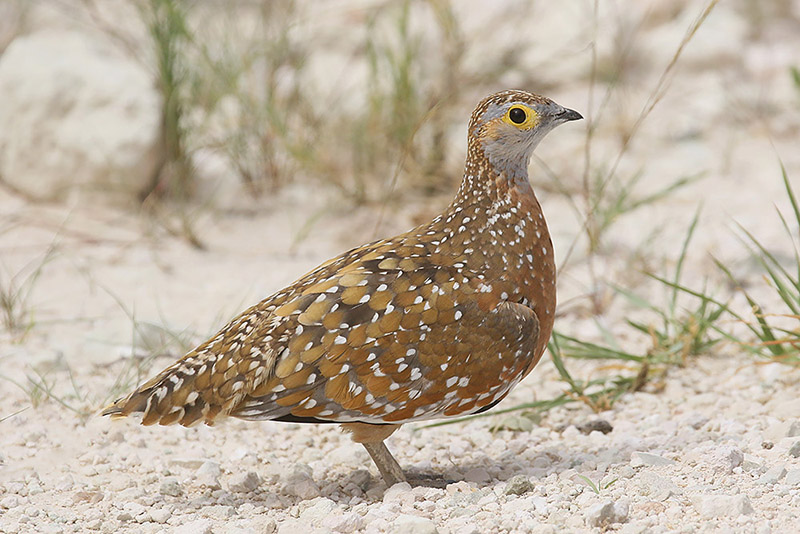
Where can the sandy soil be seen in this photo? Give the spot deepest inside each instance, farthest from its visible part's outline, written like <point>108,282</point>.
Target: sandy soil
<point>717,450</point>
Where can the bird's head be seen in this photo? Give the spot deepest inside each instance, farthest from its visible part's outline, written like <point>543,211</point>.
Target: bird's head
<point>507,126</point>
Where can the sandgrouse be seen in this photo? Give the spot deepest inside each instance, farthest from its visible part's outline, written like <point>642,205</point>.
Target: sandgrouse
<point>440,321</point>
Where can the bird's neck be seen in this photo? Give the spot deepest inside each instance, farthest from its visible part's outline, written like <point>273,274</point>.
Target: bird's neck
<point>494,184</point>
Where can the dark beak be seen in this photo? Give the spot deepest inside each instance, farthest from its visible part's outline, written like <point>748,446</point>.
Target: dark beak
<point>569,115</point>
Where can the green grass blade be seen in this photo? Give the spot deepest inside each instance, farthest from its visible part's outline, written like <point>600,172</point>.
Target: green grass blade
<point>682,257</point>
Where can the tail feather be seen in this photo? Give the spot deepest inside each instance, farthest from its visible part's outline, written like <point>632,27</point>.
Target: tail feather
<point>195,389</point>
<point>170,398</point>
<point>208,383</point>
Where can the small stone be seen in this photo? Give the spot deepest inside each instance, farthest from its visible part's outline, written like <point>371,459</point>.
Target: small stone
<point>794,429</point>
<point>208,468</point>
<point>170,486</point>
<point>597,425</point>
<point>793,478</point>
<point>639,459</point>
<point>198,526</point>
<point>776,431</point>
<point>767,445</point>
<point>8,502</point>
<point>134,508</point>
<point>651,508</point>
<point>519,485</point>
<point>477,474</point>
<point>188,463</point>
<point>607,513</point>
<point>293,526</point>
<point>316,513</point>
<point>626,471</point>
<point>65,483</point>
<point>794,450</point>
<point>92,497</point>
<point>399,492</point>
<point>208,475</point>
<point>300,484</point>
<point>159,515</point>
<point>696,420</point>
<point>244,482</point>
<point>714,506</point>
<point>34,487</point>
<point>752,463</point>
<point>726,458</point>
<point>124,516</point>
<point>659,488</point>
<point>361,478</point>
<point>773,474</point>
<point>346,523</point>
<point>412,524</point>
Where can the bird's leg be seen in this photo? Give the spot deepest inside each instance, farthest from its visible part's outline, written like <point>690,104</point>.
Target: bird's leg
<point>390,470</point>
<point>371,437</point>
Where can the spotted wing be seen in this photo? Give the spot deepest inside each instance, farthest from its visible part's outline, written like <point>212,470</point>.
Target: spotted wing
<point>391,343</point>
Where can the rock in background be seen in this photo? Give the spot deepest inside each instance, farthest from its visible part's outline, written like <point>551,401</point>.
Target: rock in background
<point>75,115</point>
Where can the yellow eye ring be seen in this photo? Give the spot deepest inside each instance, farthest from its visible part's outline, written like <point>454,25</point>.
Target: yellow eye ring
<point>521,116</point>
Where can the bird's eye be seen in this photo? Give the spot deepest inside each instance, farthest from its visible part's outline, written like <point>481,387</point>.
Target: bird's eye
<point>517,115</point>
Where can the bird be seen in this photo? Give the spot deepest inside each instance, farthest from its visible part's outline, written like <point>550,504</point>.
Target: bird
<point>437,322</point>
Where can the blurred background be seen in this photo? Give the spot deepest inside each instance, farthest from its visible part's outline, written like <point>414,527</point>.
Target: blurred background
<point>165,163</point>
<point>205,99</point>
